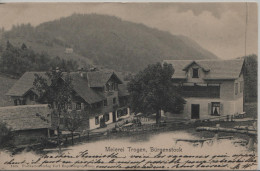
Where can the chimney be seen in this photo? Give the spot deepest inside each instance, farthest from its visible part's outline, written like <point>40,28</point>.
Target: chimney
<point>81,72</point>
<point>57,69</point>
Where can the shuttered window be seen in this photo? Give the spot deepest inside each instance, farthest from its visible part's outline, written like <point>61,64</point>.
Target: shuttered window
<point>78,106</point>
<point>114,100</point>
<point>241,86</point>
<point>105,102</point>
<point>215,108</point>
<point>106,117</point>
<point>236,88</point>
<point>195,73</point>
<point>96,120</point>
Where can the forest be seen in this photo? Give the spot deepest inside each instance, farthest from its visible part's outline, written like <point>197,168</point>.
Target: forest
<point>15,61</point>
<point>105,41</point>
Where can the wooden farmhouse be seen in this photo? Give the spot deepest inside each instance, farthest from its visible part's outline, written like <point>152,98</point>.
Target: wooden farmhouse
<point>96,95</point>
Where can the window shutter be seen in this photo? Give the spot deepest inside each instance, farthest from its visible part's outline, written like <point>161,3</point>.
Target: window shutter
<point>209,108</point>
<point>221,110</point>
<point>73,106</point>
<point>82,106</point>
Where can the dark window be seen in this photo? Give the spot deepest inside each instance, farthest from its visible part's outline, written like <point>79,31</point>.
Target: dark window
<point>114,100</point>
<point>215,108</point>
<point>112,86</point>
<point>236,88</point>
<point>78,106</point>
<point>23,102</point>
<point>96,120</point>
<point>119,113</point>
<point>105,102</point>
<point>70,106</point>
<point>195,73</point>
<point>15,102</point>
<point>31,97</point>
<point>106,117</point>
<point>107,87</point>
<point>124,112</point>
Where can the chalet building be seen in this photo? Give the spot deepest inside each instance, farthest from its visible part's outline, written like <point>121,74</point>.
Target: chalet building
<point>210,87</point>
<point>97,95</point>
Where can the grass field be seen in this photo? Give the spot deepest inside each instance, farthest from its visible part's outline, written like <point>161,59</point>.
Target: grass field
<point>5,84</point>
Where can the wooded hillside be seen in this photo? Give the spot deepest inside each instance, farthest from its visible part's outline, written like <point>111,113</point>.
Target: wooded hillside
<point>105,41</point>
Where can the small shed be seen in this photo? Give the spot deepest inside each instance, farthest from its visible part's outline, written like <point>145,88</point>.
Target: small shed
<point>29,123</point>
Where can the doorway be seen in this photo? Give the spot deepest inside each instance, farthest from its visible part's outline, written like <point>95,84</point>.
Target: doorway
<point>195,111</point>
<point>114,116</point>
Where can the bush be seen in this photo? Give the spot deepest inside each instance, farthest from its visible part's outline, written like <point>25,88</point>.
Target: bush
<point>6,136</point>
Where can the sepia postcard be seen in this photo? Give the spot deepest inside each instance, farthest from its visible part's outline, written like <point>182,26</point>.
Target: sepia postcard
<point>128,86</point>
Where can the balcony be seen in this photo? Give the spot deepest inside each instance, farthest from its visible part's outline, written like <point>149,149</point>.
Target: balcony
<point>201,91</point>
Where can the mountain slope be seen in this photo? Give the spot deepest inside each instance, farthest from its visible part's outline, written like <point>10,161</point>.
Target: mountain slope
<point>106,41</point>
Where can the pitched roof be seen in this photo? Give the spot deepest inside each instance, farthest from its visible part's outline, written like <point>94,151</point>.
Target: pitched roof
<point>218,69</point>
<point>24,84</point>
<point>80,86</point>
<point>197,63</point>
<point>26,117</point>
<point>100,78</point>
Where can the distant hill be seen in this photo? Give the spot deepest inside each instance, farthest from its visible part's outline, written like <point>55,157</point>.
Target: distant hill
<point>105,41</point>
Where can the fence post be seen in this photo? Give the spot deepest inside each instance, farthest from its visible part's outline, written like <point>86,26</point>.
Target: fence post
<point>216,134</point>
<point>250,144</point>
<point>227,118</point>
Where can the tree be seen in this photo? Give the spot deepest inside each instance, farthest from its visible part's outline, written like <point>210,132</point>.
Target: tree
<point>5,135</point>
<point>73,121</point>
<point>8,45</point>
<point>151,91</point>
<point>23,47</point>
<point>55,90</point>
<point>250,78</point>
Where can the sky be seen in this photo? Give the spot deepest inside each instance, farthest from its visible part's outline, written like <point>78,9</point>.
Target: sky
<point>217,27</point>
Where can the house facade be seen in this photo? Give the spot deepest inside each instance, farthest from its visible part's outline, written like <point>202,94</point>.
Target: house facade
<point>211,88</point>
<point>97,95</point>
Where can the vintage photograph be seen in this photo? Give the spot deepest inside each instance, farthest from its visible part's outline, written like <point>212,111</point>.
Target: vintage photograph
<point>128,86</point>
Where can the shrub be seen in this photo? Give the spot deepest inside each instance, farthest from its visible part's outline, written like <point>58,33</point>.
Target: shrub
<point>6,136</point>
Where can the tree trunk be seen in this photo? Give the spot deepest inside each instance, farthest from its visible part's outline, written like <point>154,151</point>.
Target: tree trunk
<point>158,117</point>
<point>72,140</point>
<point>58,131</point>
